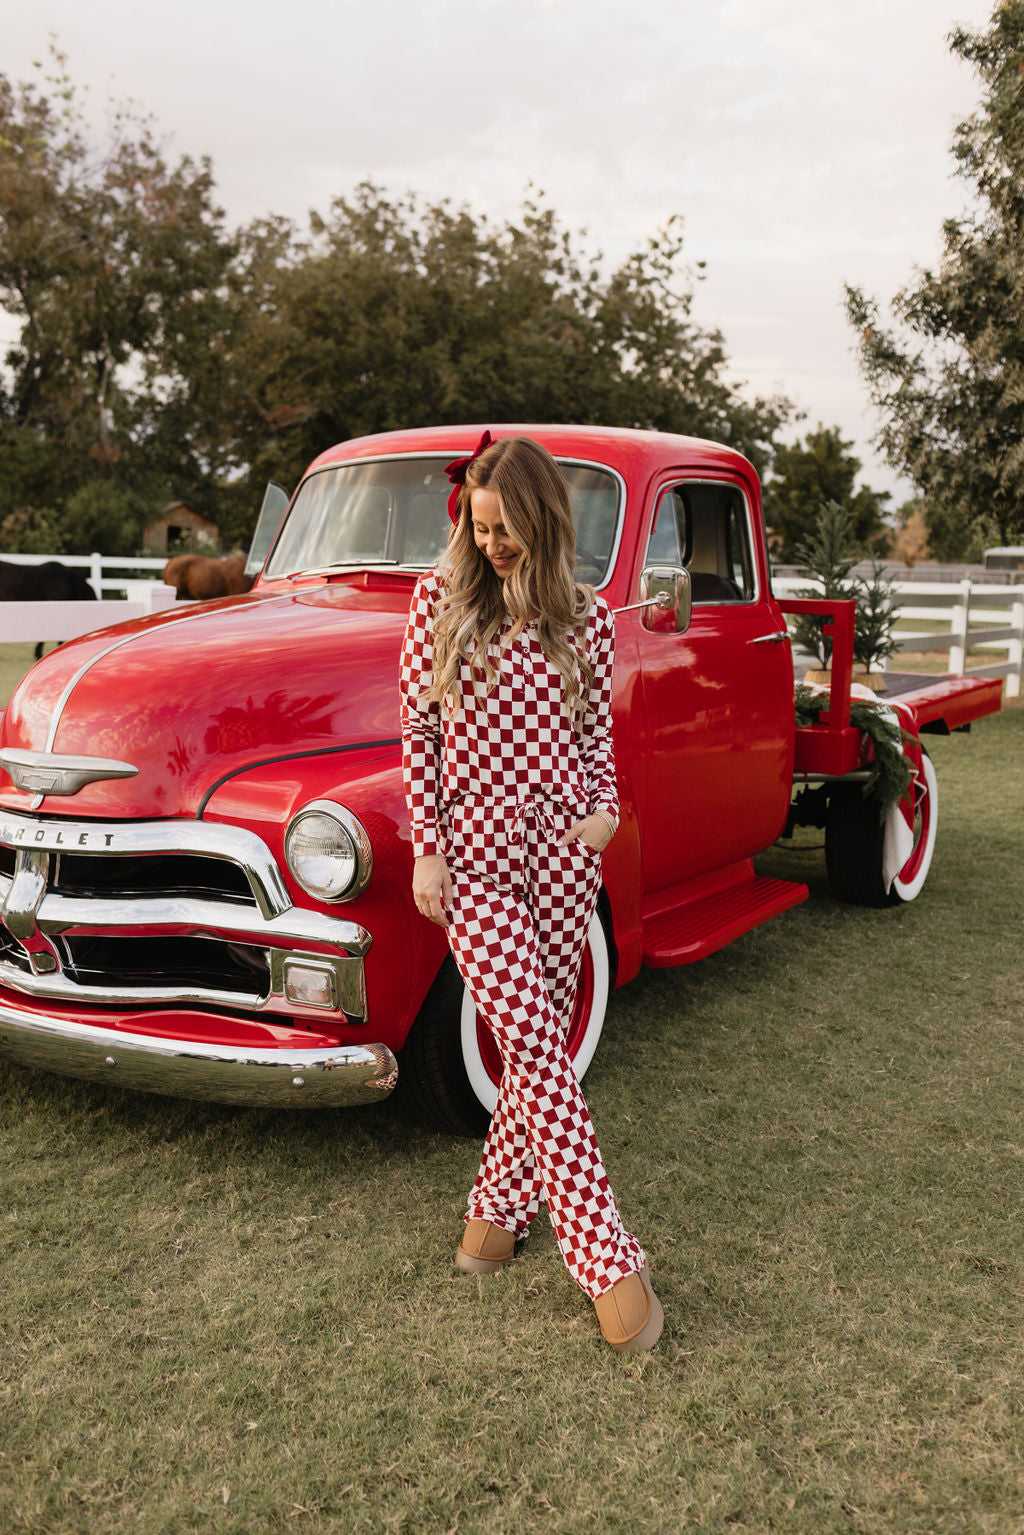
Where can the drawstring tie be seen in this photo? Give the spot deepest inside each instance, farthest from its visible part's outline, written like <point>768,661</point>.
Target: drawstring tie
<point>540,810</point>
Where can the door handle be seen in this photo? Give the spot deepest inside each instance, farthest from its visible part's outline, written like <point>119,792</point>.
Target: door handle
<point>771,639</point>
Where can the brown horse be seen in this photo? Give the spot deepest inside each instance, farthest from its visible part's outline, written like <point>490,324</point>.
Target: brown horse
<point>199,577</point>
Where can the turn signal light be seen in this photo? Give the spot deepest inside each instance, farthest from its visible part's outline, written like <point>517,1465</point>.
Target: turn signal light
<point>309,985</point>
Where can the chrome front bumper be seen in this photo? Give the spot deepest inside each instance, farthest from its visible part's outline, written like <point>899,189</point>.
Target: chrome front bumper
<point>258,1078</point>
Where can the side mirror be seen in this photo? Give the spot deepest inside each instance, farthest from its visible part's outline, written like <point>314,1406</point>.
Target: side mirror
<point>665,599</point>
<point>275,504</point>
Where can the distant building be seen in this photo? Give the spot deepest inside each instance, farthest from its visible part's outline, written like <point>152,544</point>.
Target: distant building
<point>180,530</point>
<point>1011,557</point>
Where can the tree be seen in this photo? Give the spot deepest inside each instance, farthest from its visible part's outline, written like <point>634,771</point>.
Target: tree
<point>170,358</point>
<point>115,265</point>
<point>102,517</point>
<point>874,623</point>
<point>390,314</point>
<point>807,474</point>
<point>947,377</point>
<point>829,554</point>
<point>910,539</point>
<point>31,530</point>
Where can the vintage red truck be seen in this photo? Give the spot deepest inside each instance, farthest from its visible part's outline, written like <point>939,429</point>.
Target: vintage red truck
<point>205,861</point>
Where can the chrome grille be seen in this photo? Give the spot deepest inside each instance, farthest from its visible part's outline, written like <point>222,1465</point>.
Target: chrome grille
<point>182,912</point>
<point>191,964</point>
<point>12,953</point>
<point>173,874</point>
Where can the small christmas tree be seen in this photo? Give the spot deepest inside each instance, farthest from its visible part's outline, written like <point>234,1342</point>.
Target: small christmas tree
<point>873,639</point>
<point>829,555</point>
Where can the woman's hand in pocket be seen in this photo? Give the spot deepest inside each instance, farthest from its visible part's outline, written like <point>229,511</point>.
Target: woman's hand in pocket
<point>593,831</point>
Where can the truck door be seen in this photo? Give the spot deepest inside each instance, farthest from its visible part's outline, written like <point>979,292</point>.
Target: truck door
<point>719,697</point>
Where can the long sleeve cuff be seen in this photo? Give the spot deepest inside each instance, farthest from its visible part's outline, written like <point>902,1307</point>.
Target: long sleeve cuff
<point>425,841</point>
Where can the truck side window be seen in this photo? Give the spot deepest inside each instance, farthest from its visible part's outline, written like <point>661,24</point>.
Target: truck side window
<point>668,537</point>
<point>703,526</point>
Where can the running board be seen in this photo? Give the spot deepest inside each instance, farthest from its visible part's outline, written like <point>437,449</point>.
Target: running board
<point>700,927</point>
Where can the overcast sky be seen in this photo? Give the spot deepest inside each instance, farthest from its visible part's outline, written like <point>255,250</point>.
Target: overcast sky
<point>805,143</point>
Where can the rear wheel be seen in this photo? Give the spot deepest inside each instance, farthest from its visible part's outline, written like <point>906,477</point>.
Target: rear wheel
<point>450,1067</point>
<point>855,840</point>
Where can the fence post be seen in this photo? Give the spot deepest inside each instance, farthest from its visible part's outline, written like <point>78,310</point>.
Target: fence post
<point>1015,650</point>
<point>960,627</point>
<point>96,573</point>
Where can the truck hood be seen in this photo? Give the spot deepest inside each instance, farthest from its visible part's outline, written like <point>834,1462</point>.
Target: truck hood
<point>191,697</point>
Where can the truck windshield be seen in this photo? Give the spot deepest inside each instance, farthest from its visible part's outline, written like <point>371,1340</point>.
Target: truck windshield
<point>394,512</point>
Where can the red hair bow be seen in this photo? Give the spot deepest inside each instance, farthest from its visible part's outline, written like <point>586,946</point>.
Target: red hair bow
<point>456,472</point>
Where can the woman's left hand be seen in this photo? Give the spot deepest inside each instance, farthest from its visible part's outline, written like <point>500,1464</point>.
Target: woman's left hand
<point>593,831</point>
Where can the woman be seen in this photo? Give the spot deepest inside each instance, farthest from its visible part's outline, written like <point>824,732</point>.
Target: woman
<point>509,773</point>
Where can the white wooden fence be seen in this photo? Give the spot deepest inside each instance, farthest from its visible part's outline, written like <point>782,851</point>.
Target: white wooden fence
<point>105,573</point>
<point>125,588</point>
<point>974,616</point>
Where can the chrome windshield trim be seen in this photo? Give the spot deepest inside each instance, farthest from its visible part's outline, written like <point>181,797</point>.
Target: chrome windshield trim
<point>439,454</point>
<point>109,839</point>
<point>330,570</point>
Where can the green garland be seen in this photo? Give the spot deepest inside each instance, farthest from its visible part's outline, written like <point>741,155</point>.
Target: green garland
<point>891,774</point>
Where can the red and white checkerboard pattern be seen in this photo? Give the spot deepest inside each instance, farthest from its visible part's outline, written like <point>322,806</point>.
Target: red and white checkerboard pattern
<point>493,787</point>
<point>515,740</point>
<point>520,915</point>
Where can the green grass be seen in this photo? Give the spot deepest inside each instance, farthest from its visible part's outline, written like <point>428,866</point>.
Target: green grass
<point>219,1320</point>
<point>15,661</point>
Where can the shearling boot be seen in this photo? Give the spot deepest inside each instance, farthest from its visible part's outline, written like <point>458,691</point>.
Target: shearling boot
<point>630,1314</point>
<point>484,1248</point>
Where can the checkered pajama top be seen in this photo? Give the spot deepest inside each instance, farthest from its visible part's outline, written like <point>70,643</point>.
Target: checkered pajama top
<point>515,741</point>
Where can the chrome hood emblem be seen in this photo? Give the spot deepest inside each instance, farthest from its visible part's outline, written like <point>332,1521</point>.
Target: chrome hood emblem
<point>48,773</point>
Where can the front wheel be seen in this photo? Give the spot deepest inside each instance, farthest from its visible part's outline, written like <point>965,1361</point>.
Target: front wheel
<point>855,841</point>
<point>449,1068</point>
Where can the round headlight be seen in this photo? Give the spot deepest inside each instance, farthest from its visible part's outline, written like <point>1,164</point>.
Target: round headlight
<point>328,851</point>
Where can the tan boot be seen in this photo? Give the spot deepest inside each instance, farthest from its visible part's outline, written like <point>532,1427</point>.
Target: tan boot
<point>630,1314</point>
<point>484,1248</point>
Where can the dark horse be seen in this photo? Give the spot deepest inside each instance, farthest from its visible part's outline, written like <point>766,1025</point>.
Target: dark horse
<point>50,582</point>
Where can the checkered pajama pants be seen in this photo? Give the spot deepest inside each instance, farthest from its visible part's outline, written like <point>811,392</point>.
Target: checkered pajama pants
<point>522,907</point>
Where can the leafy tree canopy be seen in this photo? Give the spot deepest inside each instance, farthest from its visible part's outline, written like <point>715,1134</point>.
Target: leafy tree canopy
<point>168,357</point>
<point>910,541</point>
<point>393,313</point>
<point>114,262</point>
<point>820,470</point>
<point>947,377</point>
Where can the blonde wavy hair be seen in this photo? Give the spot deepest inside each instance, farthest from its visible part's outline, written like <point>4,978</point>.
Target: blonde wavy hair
<point>535,509</point>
